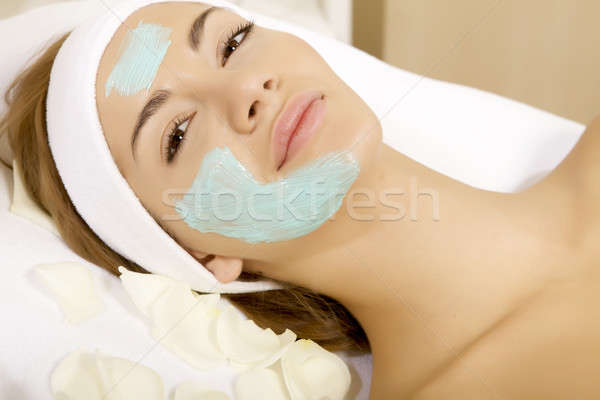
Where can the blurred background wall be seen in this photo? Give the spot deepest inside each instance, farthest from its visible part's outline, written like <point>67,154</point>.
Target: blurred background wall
<point>542,52</point>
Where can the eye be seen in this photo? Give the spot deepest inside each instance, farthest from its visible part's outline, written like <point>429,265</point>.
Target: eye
<point>237,36</point>
<point>175,136</point>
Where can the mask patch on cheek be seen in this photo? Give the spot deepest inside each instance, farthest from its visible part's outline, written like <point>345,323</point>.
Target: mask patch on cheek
<point>226,199</point>
<point>142,53</point>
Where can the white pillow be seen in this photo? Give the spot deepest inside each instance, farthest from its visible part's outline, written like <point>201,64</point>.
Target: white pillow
<point>26,35</point>
<point>476,137</point>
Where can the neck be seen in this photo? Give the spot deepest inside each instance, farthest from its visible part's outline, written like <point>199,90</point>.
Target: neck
<point>431,263</point>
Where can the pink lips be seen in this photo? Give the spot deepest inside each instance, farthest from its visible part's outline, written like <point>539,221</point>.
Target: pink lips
<point>301,117</point>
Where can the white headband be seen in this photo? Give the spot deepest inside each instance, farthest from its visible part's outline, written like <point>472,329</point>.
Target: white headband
<point>97,189</point>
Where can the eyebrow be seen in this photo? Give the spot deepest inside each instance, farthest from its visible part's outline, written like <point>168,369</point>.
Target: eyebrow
<point>151,107</point>
<point>197,29</point>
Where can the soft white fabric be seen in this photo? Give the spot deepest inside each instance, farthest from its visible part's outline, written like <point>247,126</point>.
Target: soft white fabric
<point>29,33</point>
<point>32,31</point>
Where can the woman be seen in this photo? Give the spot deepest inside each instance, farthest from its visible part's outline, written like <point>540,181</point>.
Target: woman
<point>462,293</point>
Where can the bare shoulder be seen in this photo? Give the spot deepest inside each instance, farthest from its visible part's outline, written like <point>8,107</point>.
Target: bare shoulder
<point>583,160</point>
<point>594,124</point>
<point>579,174</point>
<point>549,349</point>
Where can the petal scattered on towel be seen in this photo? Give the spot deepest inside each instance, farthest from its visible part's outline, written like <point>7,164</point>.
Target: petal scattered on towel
<point>246,344</point>
<point>207,333</point>
<point>311,372</point>
<point>183,321</point>
<point>73,287</point>
<point>192,390</point>
<point>24,206</point>
<point>186,324</point>
<point>85,375</point>
<point>144,289</point>
<point>261,383</point>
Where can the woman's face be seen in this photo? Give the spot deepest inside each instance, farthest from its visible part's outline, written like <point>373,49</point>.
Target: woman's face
<point>213,96</point>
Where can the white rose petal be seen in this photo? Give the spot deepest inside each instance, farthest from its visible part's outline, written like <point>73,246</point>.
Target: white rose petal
<point>183,321</point>
<point>313,373</point>
<point>260,383</point>
<point>286,339</point>
<point>84,375</point>
<point>246,344</point>
<point>76,377</point>
<point>196,391</point>
<point>144,289</point>
<point>72,285</point>
<point>186,324</point>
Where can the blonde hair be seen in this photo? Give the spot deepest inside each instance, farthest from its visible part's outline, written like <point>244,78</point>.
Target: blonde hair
<point>309,314</point>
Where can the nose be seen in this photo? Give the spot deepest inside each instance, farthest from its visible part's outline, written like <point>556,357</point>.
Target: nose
<point>242,98</point>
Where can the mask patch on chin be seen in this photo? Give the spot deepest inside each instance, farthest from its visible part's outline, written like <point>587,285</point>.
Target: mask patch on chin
<point>226,199</point>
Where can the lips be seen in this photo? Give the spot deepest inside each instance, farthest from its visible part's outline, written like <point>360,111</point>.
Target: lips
<point>300,119</point>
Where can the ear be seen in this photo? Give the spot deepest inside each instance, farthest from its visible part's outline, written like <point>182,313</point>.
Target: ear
<point>225,269</point>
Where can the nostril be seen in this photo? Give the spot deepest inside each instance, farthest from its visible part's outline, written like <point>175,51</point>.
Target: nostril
<point>252,111</point>
<point>268,84</point>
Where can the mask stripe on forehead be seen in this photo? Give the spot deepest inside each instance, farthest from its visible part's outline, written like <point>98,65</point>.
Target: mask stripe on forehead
<point>142,53</point>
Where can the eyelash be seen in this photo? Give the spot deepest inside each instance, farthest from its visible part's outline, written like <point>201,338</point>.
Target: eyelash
<point>167,153</point>
<point>247,28</point>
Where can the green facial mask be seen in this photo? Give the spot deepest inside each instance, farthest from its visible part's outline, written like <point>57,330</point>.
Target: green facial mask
<point>226,199</point>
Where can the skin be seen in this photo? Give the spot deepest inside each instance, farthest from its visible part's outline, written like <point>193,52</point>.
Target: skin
<point>493,299</point>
